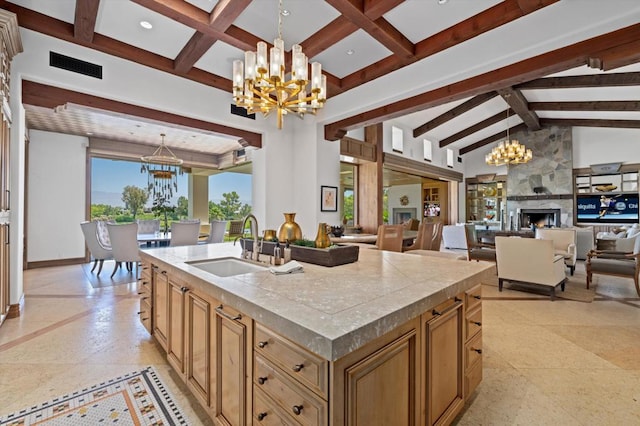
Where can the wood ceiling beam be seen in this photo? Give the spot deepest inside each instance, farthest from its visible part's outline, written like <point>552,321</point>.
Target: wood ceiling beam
<point>380,29</point>
<point>556,60</point>
<point>487,20</point>
<point>586,106</point>
<point>453,113</point>
<point>619,57</point>
<point>528,6</point>
<point>493,138</point>
<point>374,9</point>
<point>55,28</point>
<point>582,81</point>
<point>222,17</point>
<point>84,24</point>
<point>582,122</point>
<point>475,128</point>
<point>518,103</point>
<point>46,96</point>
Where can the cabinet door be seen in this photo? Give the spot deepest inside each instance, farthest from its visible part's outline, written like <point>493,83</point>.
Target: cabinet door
<point>160,306</point>
<point>444,349</point>
<point>381,389</point>
<point>198,355</point>
<point>4,271</point>
<point>175,337</point>
<point>231,379</point>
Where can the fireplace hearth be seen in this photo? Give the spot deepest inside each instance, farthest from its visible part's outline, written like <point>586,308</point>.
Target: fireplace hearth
<point>547,218</point>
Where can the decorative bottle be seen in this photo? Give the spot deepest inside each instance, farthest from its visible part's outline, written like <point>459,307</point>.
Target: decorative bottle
<point>322,238</point>
<point>289,230</point>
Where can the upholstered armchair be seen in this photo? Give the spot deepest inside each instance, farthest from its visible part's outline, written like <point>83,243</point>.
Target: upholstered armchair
<point>475,249</point>
<point>529,261</point>
<point>124,243</point>
<point>617,263</point>
<point>98,251</point>
<point>564,244</point>
<point>184,233</point>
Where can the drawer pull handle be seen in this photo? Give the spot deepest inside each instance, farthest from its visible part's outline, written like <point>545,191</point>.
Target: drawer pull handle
<point>457,299</point>
<point>142,292</point>
<point>139,312</point>
<point>184,289</point>
<point>262,344</point>
<point>144,319</point>
<point>144,298</point>
<point>163,272</point>
<point>478,350</point>
<point>477,296</point>
<point>298,367</point>
<point>261,416</point>
<point>262,380</point>
<point>297,409</point>
<point>478,323</point>
<point>220,310</point>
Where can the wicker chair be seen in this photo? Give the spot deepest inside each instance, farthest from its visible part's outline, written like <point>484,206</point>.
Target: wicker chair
<point>236,229</point>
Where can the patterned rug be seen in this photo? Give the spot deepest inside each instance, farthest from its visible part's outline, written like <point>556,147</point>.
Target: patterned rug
<point>137,398</point>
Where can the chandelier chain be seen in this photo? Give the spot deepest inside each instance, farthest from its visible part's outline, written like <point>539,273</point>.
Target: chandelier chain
<point>280,20</point>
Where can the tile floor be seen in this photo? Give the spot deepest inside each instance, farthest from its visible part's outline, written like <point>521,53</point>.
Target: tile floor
<point>545,363</point>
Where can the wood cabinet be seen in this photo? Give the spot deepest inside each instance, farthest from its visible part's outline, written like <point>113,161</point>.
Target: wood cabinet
<point>244,373</point>
<point>146,296</point>
<point>486,201</point>
<point>435,202</point>
<point>10,45</point>
<point>232,366</point>
<point>443,361</point>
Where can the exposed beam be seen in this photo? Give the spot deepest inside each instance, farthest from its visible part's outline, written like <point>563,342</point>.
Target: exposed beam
<point>379,28</point>
<point>520,105</point>
<point>620,56</point>
<point>222,17</point>
<point>493,138</point>
<point>580,81</point>
<point>586,106</point>
<point>581,122</point>
<point>453,113</point>
<point>41,23</point>
<point>84,24</point>
<point>46,96</point>
<point>487,20</point>
<point>475,128</point>
<point>374,9</point>
<point>528,6</point>
<point>547,63</point>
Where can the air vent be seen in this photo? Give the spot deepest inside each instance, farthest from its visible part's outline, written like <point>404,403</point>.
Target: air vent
<point>236,110</point>
<point>75,65</point>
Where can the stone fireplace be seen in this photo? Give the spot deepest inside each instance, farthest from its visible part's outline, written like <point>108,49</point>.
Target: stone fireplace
<point>545,183</point>
<point>401,215</point>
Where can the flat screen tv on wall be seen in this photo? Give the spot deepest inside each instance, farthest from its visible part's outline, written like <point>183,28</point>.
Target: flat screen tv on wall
<point>607,208</point>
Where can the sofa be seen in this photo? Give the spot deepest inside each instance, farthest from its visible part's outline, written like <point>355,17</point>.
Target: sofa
<point>453,237</point>
<point>531,261</point>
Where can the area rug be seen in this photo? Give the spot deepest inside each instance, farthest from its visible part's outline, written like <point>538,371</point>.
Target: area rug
<point>137,398</point>
<point>574,289</point>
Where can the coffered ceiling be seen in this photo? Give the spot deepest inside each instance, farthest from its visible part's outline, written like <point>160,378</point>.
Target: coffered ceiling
<point>447,70</point>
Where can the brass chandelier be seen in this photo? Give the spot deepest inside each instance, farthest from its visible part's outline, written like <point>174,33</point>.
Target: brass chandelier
<point>508,151</point>
<point>163,168</point>
<point>259,84</point>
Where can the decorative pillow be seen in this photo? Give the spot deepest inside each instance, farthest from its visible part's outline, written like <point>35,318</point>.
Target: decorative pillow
<point>626,244</point>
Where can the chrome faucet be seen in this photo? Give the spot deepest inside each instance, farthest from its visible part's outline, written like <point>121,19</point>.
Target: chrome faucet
<point>253,226</point>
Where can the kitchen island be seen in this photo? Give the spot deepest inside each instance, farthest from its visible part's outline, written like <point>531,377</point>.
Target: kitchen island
<point>389,339</point>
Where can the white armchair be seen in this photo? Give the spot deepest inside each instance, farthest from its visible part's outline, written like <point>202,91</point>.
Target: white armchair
<point>98,251</point>
<point>184,233</point>
<point>564,244</point>
<point>124,243</point>
<point>529,260</point>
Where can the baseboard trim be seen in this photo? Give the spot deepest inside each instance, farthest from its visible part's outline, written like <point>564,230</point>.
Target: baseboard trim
<point>57,262</point>
<point>15,309</point>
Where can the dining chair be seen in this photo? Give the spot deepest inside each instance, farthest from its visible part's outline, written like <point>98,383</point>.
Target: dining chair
<point>436,236</point>
<point>98,251</point>
<point>236,228</point>
<point>124,244</point>
<point>477,250</point>
<point>423,239</point>
<point>148,226</point>
<point>184,233</point>
<point>389,237</point>
<point>216,233</point>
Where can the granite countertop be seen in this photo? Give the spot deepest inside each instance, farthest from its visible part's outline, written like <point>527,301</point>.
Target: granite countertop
<point>330,311</point>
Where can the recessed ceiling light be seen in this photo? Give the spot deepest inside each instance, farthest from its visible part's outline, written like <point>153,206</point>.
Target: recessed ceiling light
<point>285,12</point>
<point>442,1</point>
<point>350,52</point>
<point>146,25</point>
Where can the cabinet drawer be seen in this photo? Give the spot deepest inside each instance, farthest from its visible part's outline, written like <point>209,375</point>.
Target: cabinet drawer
<point>265,411</point>
<point>473,297</point>
<point>308,368</point>
<point>472,379</point>
<point>473,350</point>
<point>301,404</point>
<point>473,322</point>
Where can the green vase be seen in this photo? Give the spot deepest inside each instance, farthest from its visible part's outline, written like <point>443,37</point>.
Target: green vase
<point>289,230</point>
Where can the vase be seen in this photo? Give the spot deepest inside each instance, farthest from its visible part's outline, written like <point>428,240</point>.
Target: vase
<point>289,230</point>
<point>322,238</point>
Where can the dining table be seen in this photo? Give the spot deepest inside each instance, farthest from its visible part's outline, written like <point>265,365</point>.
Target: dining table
<point>157,239</point>
<point>408,236</point>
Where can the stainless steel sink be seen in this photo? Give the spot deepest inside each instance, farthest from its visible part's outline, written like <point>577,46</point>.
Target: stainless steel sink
<point>226,266</point>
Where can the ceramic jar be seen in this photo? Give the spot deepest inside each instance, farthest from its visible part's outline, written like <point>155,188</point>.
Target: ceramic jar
<point>289,230</point>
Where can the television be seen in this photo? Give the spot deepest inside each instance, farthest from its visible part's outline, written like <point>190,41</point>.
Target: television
<point>607,208</point>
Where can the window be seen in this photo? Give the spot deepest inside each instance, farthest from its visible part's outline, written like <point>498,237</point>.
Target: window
<point>428,149</point>
<point>450,158</point>
<point>397,139</point>
<point>348,197</point>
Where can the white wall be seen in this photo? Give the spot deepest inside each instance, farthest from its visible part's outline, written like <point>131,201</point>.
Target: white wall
<point>56,196</point>
<point>598,145</point>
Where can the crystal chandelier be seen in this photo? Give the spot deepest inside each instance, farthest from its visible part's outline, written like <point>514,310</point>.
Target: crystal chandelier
<point>259,85</point>
<point>163,168</point>
<point>508,151</point>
